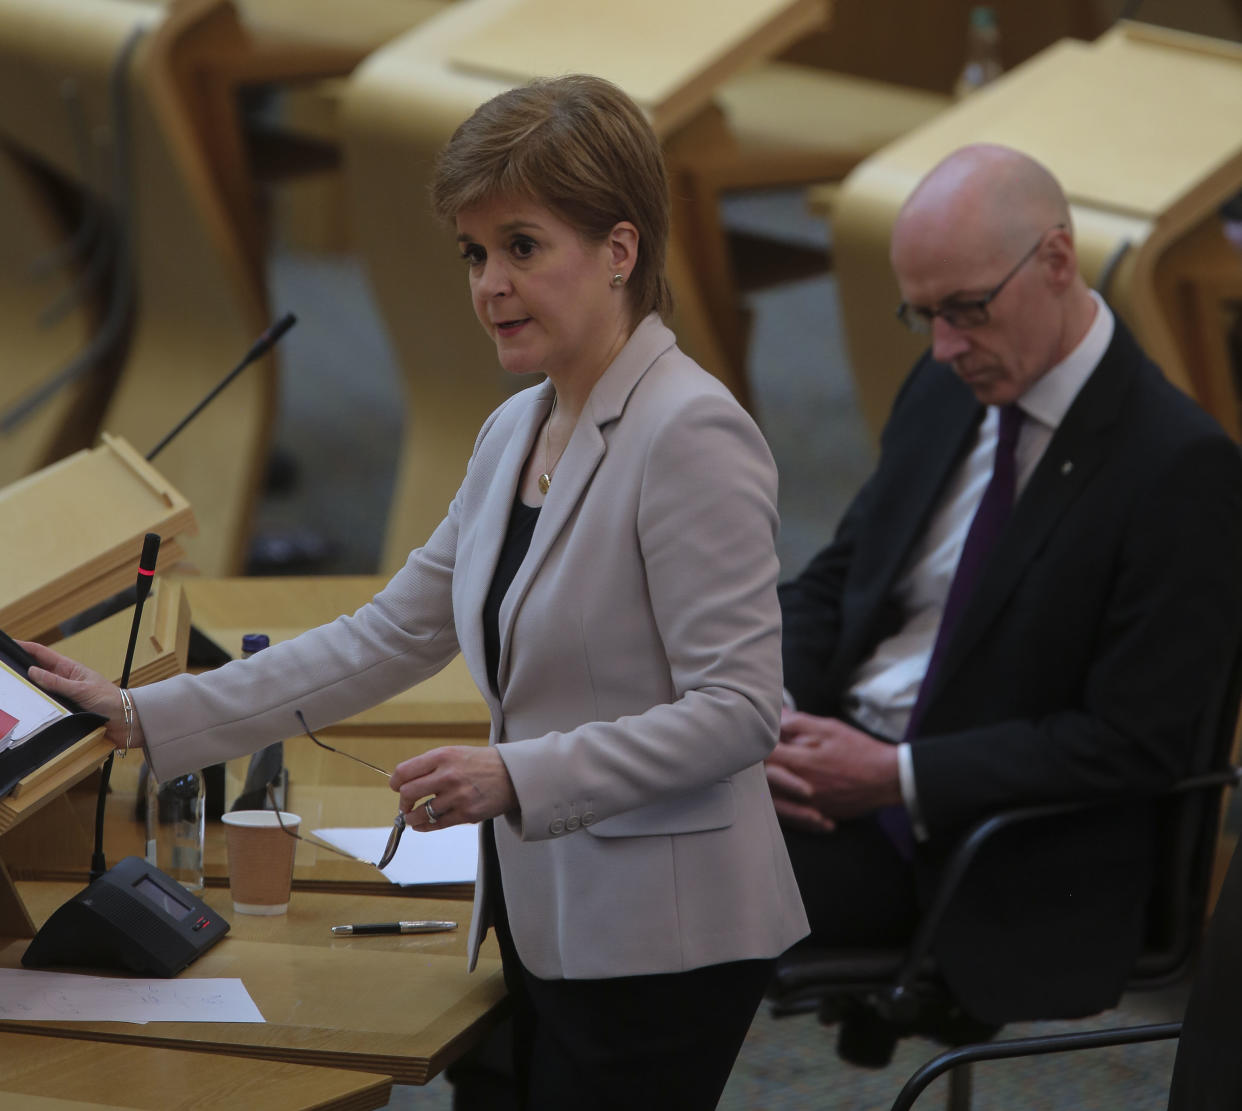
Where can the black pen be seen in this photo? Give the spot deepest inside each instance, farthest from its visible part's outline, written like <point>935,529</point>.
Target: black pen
<point>423,926</point>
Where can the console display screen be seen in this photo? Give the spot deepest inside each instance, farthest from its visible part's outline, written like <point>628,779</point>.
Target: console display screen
<point>163,899</point>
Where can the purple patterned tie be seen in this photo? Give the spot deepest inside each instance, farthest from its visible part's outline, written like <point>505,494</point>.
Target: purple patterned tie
<point>990,517</point>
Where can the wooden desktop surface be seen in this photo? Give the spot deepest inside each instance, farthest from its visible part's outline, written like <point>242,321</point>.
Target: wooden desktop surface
<point>315,868</point>
<point>1141,129</point>
<point>401,1006</point>
<point>328,806</point>
<point>671,73</point>
<point>56,1074</point>
<point>351,32</point>
<point>398,109</point>
<point>326,791</point>
<point>1132,123</point>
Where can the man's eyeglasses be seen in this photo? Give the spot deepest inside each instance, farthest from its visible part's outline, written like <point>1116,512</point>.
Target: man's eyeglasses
<point>961,312</point>
<point>398,825</point>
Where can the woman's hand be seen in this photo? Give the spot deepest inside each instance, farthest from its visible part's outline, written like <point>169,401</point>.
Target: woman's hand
<point>90,690</point>
<point>463,783</point>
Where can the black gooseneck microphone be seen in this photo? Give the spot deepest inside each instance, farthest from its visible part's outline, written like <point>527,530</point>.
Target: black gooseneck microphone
<point>150,550</point>
<point>146,572</point>
<point>260,348</point>
<point>132,917</point>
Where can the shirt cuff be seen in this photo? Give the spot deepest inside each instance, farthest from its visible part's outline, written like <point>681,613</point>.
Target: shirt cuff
<point>909,793</point>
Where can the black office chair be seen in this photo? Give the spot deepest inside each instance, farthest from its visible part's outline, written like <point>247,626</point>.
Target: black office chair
<point>1207,1071</point>
<point>877,996</point>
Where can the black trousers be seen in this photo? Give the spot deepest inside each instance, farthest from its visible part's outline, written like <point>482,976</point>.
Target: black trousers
<point>857,889</point>
<point>654,1042</point>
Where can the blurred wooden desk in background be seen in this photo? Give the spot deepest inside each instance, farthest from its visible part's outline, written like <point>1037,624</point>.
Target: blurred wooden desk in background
<point>402,104</point>
<point>1141,128</point>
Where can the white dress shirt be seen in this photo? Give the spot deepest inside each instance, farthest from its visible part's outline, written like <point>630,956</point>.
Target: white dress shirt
<point>886,685</point>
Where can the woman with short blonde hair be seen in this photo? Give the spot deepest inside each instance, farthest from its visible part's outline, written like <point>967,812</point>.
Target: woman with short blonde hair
<point>608,570</point>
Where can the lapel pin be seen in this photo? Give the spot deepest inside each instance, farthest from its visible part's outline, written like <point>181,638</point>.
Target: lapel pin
<point>1066,467</point>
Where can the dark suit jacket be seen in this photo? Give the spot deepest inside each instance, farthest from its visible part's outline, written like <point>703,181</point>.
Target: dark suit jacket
<point>1081,667</point>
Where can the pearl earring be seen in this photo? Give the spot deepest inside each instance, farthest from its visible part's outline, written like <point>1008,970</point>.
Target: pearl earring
<point>618,279</point>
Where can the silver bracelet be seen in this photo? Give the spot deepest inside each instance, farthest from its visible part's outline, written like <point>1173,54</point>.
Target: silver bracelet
<point>127,706</point>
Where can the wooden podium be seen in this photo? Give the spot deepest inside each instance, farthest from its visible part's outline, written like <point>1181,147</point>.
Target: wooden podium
<point>75,531</point>
<point>1142,129</point>
<point>40,787</point>
<point>163,638</point>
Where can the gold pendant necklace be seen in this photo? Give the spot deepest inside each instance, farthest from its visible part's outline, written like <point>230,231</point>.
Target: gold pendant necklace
<point>545,479</point>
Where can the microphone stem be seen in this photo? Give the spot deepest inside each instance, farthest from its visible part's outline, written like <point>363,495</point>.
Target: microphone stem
<point>146,569</point>
<point>200,406</point>
<point>261,347</point>
<point>99,864</point>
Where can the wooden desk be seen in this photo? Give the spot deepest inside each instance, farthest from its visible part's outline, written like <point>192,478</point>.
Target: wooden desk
<point>453,57</point>
<point>325,791</point>
<point>1141,129</point>
<point>194,262</point>
<point>59,1073</point>
<point>327,27</point>
<point>398,109</point>
<point>447,705</point>
<point>327,806</point>
<point>401,1006</point>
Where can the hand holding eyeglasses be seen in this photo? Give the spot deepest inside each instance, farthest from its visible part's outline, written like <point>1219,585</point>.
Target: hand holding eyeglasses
<point>444,787</point>
<point>398,823</point>
<point>451,785</point>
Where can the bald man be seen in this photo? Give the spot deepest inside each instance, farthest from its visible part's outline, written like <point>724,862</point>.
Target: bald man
<point>1082,648</point>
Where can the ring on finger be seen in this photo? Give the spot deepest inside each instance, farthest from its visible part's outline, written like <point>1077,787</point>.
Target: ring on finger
<point>432,816</point>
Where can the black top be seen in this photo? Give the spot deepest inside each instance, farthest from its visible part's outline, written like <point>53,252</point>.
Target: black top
<point>517,542</point>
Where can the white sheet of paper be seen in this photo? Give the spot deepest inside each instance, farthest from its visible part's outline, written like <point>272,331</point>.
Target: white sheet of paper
<point>32,708</point>
<point>34,996</point>
<point>449,855</point>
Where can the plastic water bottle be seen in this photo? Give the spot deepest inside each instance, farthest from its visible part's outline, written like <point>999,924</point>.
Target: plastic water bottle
<point>983,62</point>
<point>267,766</point>
<point>176,817</point>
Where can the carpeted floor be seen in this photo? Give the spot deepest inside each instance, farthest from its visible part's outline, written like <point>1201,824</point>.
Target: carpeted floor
<point>789,1064</point>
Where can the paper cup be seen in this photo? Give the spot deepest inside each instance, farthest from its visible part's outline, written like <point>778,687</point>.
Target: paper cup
<point>260,860</point>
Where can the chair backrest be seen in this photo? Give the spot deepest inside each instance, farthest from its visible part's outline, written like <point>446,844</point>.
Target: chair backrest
<point>1187,833</point>
<point>50,312</point>
<point>1207,1073</point>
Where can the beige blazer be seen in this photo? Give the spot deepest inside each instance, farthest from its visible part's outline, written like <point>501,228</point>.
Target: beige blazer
<point>639,675</point>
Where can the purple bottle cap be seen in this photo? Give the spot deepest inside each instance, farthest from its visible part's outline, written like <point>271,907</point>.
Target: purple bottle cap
<point>254,642</point>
